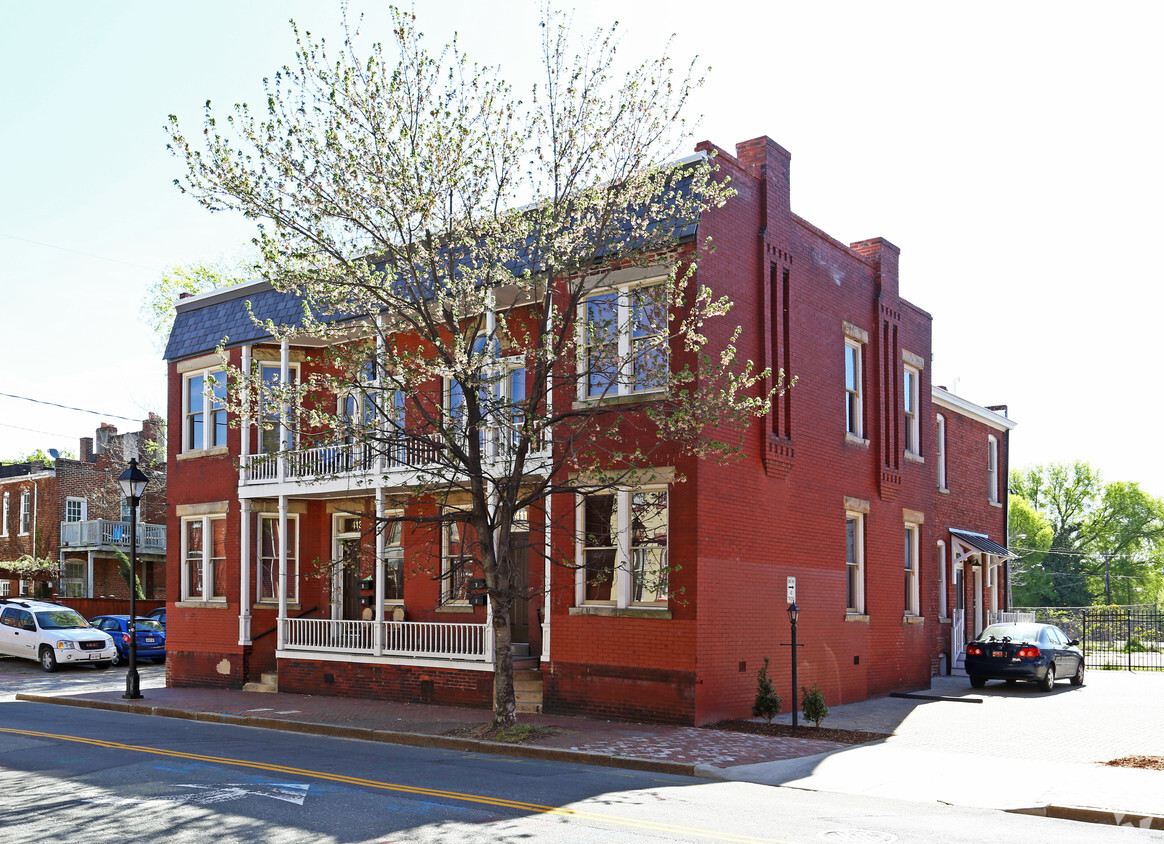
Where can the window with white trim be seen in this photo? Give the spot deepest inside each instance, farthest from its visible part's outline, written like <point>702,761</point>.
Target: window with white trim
<point>204,558</point>
<point>940,449</point>
<point>623,344</point>
<point>854,418</point>
<point>992,469</point>
<point>909,391</point>
<point>911,572</point>
<point>203,409</point>
<point>4,528</point>
<point>75,509</point>
<point>73,580</point>
<point>459,561</point>
<point>622,547</point>
<point>393,564</point>
<point>5,588</point>
<point>272,411</point>
<point>269,545</point>
<point>855,563</point>
<point>25,512</point>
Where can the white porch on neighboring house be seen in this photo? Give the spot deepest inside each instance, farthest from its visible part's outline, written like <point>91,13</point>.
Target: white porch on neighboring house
<point>978,556</point>
<point>101,538</point>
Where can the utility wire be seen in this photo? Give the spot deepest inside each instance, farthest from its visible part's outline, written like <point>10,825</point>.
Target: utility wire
<point>79,252</point>
<point>67,407</point>
<point>34,430</point>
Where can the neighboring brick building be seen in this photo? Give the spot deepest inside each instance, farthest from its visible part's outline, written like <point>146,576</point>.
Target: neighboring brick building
<point>73,512</point>
<point>874,489</point>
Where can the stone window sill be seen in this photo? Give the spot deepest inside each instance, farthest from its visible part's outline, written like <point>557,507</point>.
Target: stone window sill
<point>913,619</point>
<point>202,605</point>
<point>856,616</point>
<point>621,612</point>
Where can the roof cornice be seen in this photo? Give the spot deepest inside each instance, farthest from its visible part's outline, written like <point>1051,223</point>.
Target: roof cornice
<point>946,399</point>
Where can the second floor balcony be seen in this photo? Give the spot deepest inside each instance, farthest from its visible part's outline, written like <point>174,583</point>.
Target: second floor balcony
<point>106,534</point>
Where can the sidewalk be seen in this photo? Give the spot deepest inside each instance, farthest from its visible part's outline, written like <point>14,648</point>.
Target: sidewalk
<point>1011,749</point>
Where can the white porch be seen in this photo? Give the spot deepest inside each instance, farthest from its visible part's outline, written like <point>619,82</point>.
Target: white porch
<point>401,641</point>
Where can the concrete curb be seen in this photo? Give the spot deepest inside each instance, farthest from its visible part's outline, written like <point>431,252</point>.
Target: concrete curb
<point>465,745</point>
<point>1088,814</point>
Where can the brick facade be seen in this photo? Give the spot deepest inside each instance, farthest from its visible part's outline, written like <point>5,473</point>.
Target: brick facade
<point>737,531</point>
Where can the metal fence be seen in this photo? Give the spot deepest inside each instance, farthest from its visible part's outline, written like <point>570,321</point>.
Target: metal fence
<point>1127,638</point>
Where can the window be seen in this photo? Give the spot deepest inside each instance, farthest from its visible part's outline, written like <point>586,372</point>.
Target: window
<point>458,558</point>
<point>73,581</point>
<point>943,598</point>
<point>853,410</point>
<point>855,563</point>
<point>4,517</point>
<point>204,399</point>
<point>204,558</point>
<point>272,411</point>
<point>269,557</point>
<point>992,469</point>
<point>911,583</point>
<point>75,511</point>
<point>5,588</point>
<point>910,385</point>
<point>393,564</point>
<point>624,342</point>
<point>940,449</point>
<point>622,547</point>
<point>25,512</point>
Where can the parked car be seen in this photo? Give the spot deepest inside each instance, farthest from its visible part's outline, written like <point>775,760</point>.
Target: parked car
<point>1022,650</point>
<point>151,636</point>
<point>51,634</point>
<point>158,615</point>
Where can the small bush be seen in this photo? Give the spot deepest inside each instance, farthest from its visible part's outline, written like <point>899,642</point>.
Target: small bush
<point>813,703</point>
<point>767,705</point>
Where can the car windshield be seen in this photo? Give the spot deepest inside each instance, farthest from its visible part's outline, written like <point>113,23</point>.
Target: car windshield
<point>60,620</point>
<point>148,625</point>
<point>1013,632</point>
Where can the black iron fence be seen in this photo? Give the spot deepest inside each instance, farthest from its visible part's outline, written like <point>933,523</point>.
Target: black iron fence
<point>1127,638</point>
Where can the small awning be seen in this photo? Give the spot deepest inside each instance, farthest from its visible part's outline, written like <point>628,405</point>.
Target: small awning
<point>983,543</point>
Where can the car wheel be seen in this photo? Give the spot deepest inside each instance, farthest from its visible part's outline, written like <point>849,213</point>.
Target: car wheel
<point>1077,680</point>
<point>1048,681</point>
<point>118,659</point>
<point>976,681</point>
<point>48,660</point>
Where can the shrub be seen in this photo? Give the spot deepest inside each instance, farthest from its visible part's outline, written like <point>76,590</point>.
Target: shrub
<point>767,703</point>
<point>813,703</point>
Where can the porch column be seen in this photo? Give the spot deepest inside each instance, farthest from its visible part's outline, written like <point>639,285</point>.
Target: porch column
<point>284,428</point>
<point>378,628</point>
<point>244,565</point>
<point>546,522</point>
<point>282,621</point>
<point>245,433</point>
<point>978,626</point>
<point>88,574</point>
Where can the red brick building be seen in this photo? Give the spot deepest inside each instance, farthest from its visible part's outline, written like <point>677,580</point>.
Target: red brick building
<point>882,495</point>
<point>72,511</point>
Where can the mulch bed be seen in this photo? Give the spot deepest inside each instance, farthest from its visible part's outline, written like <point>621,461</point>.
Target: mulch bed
<point>804,732</point>
<point>1152,763</point>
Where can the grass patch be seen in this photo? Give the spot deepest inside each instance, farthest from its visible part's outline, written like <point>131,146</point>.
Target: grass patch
<point>517,734</point>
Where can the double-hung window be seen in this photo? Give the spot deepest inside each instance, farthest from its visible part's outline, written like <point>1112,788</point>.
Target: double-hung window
<point>622,547</point>
<point>275,409</point>
<point>393,564</point>
<point>853,406</point>
<point>854,563</point>
<point>4,517</point>
<point>910,385</point>
<point>624,342</point>
<point>992,469</point>
<point>25,512</point>
<point>911,572</point>
<point>204,410</point>
<point>940,449</point>
<point>269,551</point>
<point>204,558</point>
<point>458,558</point>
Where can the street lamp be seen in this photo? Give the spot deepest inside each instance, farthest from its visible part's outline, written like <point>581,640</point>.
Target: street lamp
<point>793,615</point>
<point>133,483</point>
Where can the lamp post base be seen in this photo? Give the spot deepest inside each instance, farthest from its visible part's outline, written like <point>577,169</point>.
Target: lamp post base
<point>132,686</point>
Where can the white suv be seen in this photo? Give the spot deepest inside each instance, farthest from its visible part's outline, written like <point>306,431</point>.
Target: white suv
<point>52,634</point>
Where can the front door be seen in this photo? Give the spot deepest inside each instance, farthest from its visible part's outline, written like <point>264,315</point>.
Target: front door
<point>519,615</point>
<point>347,563</point>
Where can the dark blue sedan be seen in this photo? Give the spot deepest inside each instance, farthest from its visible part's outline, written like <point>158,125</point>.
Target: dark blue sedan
<point>151,637</point>
<point>1013,651</point>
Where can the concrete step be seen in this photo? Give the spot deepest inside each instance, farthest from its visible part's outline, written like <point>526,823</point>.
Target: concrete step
<point>527,691</point>
<point>269,684</point>
<point>529,708</point>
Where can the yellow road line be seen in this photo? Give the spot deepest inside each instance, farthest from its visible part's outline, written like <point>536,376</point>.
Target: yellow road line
<point>407,789</point>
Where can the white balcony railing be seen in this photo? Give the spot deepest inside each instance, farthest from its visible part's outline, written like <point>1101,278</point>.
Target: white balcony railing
<point>417,639</point>
<point>108,533</point>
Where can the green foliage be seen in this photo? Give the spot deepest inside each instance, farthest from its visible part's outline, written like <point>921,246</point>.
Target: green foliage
<point>813,704</point>
<point>767,705</point>
<point>39,456</point>
<point>199,277</point>
<point>1083,541</point>
<point>124,565</point>
<point>29,567</point>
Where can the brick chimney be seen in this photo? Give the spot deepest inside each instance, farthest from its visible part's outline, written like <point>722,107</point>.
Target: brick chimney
<point>884,256</point>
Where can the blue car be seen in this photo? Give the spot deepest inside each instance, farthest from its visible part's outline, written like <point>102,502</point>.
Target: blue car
<point>151,637</point>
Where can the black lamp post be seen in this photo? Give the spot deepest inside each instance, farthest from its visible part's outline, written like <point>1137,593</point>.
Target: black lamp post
<point>133,483</point>
<point>793,615</point>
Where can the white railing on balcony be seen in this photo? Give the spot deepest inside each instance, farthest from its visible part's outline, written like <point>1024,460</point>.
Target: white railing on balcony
<point>106,532</point>
<point>416,639</point>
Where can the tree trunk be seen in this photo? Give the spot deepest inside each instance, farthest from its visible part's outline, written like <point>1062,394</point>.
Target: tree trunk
<point>504,702</point>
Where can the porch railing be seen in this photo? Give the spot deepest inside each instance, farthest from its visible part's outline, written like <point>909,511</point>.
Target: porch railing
<point>106,532</point>
<point>1007,616</point>
<point>418,639</point>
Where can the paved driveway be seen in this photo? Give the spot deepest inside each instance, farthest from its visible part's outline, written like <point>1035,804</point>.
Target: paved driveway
<point>23,676</point>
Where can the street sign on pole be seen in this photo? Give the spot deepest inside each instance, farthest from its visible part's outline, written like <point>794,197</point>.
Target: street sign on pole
<point>792,590</point>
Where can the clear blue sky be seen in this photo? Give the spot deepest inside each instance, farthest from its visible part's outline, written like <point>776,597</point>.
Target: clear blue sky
<point>1012,151</point>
